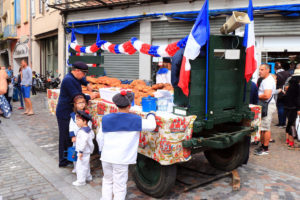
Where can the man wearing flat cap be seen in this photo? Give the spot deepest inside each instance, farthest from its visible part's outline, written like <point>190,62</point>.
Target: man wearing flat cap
<point>70,87</point>
<point>118,141</point>
<point>163,75</point>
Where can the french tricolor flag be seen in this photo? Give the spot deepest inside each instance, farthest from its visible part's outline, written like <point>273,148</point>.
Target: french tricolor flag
<point>249,43</point>
<point>197,38</point>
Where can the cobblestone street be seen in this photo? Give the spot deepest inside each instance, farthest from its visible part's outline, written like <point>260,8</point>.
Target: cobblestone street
<point>18,179</point>
<point>37,176</point>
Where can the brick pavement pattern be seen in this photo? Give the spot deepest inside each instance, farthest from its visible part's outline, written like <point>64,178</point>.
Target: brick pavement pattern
<point>256,182</point>
<point>18,180</point>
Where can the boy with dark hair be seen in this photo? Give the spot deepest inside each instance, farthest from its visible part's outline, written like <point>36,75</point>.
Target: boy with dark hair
<point>118,140</point>
<point>84,148</point>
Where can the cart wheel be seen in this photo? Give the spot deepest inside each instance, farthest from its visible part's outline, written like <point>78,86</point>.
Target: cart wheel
<point>230,158</point>
<point>152,178</point>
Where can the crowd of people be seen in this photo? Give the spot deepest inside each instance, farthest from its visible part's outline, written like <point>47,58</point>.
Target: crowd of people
<point>281,92</point>
<point>17,88</point>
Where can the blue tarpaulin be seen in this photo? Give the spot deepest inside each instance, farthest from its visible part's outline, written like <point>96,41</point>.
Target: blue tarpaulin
<point>291,10</point>
<point>106,26</point>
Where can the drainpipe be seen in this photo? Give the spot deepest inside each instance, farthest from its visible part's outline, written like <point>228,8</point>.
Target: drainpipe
<point>30,33</point>
<point>64,17</point>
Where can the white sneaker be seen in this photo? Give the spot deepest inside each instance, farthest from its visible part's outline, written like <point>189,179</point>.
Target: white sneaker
<point>74,171</point>
<point>77,183</point>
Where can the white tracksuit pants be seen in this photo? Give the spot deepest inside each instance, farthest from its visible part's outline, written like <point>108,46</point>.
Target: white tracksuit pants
<point>83,170</point>
<point>114,182</point>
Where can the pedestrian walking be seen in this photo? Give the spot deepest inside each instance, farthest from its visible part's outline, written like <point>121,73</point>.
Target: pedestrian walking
<point>118,140</point>
<point>70,87</point>
<point>9,71</point>
<point>10,92</point>
<point>282,76</point>
<point>79,104</point>
<point>266,92</point>
<point>26,83</point>
<point>84,148</point>
<point>18,87</point>
<point>292,107</point>
<point>33,91</point>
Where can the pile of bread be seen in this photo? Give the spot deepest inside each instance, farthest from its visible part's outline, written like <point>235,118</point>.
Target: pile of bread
<point>139,87</point>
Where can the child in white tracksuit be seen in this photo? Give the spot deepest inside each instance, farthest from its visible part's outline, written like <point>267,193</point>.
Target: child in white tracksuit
<point>84,148</point>
<point>118,140</point>
<point>79,104</point>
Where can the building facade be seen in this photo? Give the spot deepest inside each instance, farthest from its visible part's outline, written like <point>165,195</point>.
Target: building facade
<point>47,38</point>
<point>277,27</point>
<point>15,43</point>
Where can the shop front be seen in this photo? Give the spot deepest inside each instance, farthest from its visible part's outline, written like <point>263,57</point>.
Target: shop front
<point>21,52</point>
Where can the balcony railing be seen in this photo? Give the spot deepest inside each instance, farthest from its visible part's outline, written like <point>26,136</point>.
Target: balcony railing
<point>10,31</point>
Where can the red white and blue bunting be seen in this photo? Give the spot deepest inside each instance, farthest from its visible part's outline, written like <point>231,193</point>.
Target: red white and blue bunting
<point>130,47</point>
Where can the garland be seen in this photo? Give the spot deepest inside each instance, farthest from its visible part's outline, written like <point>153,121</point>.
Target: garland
<point>131,46</point>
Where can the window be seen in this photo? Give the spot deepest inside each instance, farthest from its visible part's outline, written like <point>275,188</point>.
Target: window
<point>25,10</point>
<point>17,13</point>
<point>46,5</point>
<point>32,8</point>
<point>41,7</point>
<point>49,56</point>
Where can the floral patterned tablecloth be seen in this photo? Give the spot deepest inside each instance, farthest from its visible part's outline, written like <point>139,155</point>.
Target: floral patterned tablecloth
<point>255,136</point>
<point>164,144</point>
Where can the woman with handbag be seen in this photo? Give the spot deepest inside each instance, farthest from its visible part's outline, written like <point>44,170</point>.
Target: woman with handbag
<point>292,107</point>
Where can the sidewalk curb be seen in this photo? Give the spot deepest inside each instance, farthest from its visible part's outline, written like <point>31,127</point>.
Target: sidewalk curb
<point>46,165</point>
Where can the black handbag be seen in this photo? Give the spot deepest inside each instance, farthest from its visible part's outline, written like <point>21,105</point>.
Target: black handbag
<point>264,107</point>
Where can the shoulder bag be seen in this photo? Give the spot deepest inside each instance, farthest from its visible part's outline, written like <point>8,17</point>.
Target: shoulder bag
<point>264,106</point>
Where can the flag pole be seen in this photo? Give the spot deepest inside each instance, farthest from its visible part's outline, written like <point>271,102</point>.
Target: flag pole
<point>207,57</point>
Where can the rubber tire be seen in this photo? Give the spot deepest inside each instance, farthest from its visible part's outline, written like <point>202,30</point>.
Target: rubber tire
<point>166,180</point>
<point>230,158</point>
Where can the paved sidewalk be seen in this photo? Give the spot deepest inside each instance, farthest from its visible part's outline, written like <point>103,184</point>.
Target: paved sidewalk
<point>266,177</point>
<point>18,179</point>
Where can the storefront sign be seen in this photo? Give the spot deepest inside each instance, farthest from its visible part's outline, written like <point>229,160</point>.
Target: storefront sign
<point>21,51</point>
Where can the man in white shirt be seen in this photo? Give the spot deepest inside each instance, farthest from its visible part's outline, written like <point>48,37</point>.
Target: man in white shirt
<point>266,92</point>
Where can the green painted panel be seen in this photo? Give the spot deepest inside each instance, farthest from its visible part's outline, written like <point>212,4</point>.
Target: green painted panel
<point>226,85</point>
<point>86,59</point>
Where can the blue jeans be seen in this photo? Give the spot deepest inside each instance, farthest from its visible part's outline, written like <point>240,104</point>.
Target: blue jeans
<point>281,114</point>
<point>21,96</point>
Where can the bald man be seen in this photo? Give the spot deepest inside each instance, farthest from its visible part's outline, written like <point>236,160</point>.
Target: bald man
<point>266,92</point>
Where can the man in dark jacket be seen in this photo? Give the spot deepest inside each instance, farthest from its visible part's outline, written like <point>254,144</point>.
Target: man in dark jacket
<point>70,87</point>
<point>282,76</point>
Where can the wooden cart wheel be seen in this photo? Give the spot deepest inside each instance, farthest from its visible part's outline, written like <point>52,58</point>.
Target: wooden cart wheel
<point>152,178</point>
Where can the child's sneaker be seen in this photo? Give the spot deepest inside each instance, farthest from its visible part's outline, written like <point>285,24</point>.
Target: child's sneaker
<point>77,183</point>
<point>89,179</point>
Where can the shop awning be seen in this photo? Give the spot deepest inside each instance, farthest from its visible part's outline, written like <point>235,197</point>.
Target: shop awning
<point>290,10</point>
<point>76,5</point>
<point>105,26</point>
